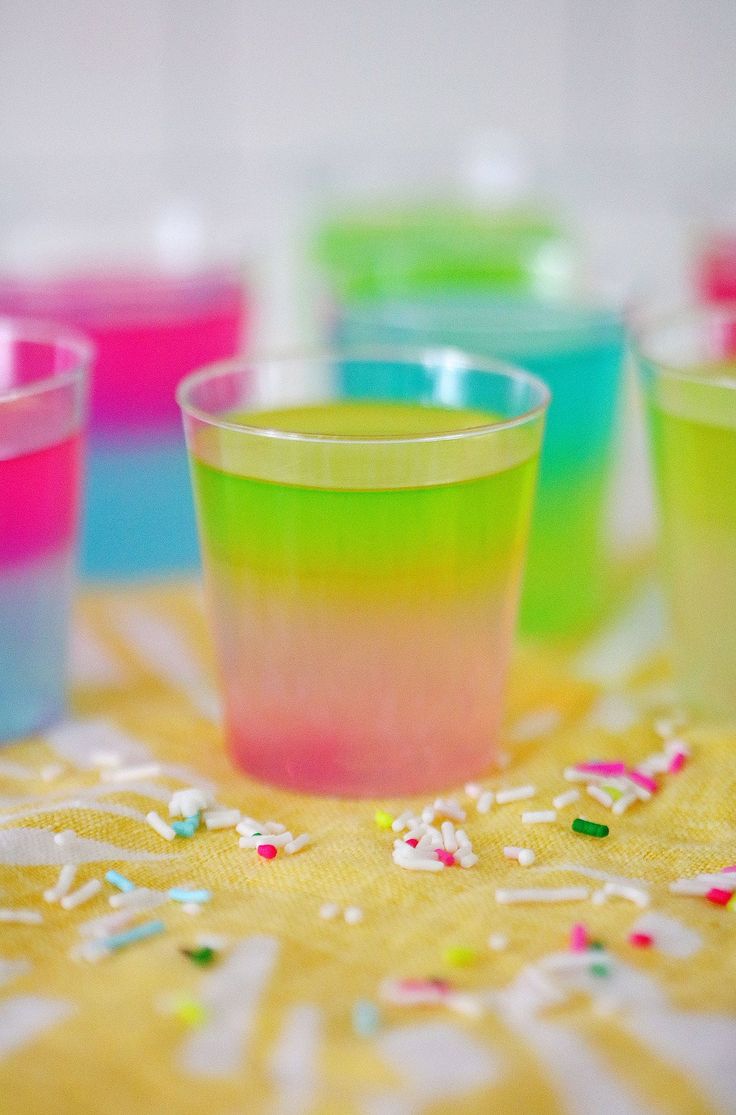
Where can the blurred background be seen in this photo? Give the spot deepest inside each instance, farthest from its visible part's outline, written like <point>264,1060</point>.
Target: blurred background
<point>200,137</point>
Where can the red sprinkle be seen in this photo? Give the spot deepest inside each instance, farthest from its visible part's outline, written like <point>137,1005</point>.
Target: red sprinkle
<point>643,780</point>
<point>413,841</point>
<point>677,762</point>
<point>720,897</point>
<point>447,857</point>
<point>267,851</point>
<point>641,940</point>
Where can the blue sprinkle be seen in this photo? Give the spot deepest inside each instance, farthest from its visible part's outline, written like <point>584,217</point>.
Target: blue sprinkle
<point>137,933</point>
<point>186,828</point>
<point>181,894</point>
<point>366,1018</point>
<point>119,881</point>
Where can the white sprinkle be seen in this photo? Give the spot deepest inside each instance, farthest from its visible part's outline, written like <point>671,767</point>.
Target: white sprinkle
<point>185,803</point>
<point>467,859</point>
<point>68,836</point>
<point>191,908</point>
<point>463,840</point>
<point>485,801</point>
<point>417,863</point>
<point>158,824</point>
<point>83,894</point>
<point>104,758</point>
<point>108,924</point>
<point>247,826</point>
<point>667,726</point>
<point>498,942</point>
<point>278,840</point>
<point>141,898</point>
<point>541,817</point>
<point>52,772</point>
<point>416,833</point>
<point>632,894</point>
<point>600,795</point>
<point>654,764</point>
<point>226,819</point>
<point>297,843</point>
<point>450,808</point>
<point>571,774</point>
<point>427,842</point>
<point>473,790</point>
<point>566,798</point>
<point>542,894</point>
<point>328,911</point>
<point>273,828</point>
<point>516,793</point>
<point>352,915</point>
<point>523,856</point>
<point>639,791</point>
<point>701,884</point>
<point>622,804</point>
<point>675,746</point>
<point>21,917</point>
<point>599,897</point>
<point>428,814</point>
<point>448,836</point>
<point>402,821</point>
<point>131,774</point>
<point>536,724</point>
<point>63,883</point>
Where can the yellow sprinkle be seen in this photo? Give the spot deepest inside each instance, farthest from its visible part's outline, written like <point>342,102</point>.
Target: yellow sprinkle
<point>612,791</point>
<point>383,819</point>
<point>190,1011</point>
<point>459,956</point>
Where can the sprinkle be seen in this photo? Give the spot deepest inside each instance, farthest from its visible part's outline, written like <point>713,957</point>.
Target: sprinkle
<point>52,772</point>
<point>643,781</point>
<point>225,819</point>
<point>623,803</point>
<point>137,933</point>
<point>158,824</point>
<point>416,832</point>
<point>273,828</point>
<point>636,895</point>
<point>328,911</point>
<point>139,898</point>
<point>412,842</point>
<point>131,774</point>
<point>473,790</point>
<point>448,807</point>
<point>190,1011</point>
<point>666,726</point>
<point>297,843</point>
<point>366,1018</point>
<point>731,904</point>
<point>589,828</point>
<point>352,915</point>
<point>63,883</point>
<point>516,793</point>
<point>730,870</point>
<point>268,851</point>
<point>428,814</point>
<point>191,908</point>
<point>279,840</point>
<point>572,774</point>
<point>186,828</point>
<point>417,863</point>
<point>248,827</point>
<point>65,837</point>
<point>566,798</point>
<point>607,769</point>
<point>524,856</point>
<point>184,894</point>
<point>202,957</point>
<point>185,803</point>
<point>485,801</point>
<point>578,937</point>
<point>463,840</point>
<point>119,881</point>
<point>540,817</point>
<point>677,762</point>
<point>383,819</point>
<point>674,746</point>
<point>104,758</point>
<point>459,956</point>
<point>641,940</point>
<point>600,795</point>
<point>401,822</point>
<point>542,894</point>
<point>108,923</point>
<point>719,897</point>
<point>82,894</point>
<point>467,859</point>
<point>448,836</point>
<point>498,942</point>
<point>21,917</point>
<point>446,857</point>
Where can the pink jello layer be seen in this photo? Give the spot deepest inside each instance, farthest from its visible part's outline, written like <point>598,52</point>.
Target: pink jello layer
<point>150,330</point>
<point>39,501</point>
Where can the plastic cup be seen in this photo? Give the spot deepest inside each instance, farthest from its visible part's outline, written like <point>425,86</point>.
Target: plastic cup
<point>577,349</point>
<point>688,373</point>
<point>43,377</point>
<point>362,559</point>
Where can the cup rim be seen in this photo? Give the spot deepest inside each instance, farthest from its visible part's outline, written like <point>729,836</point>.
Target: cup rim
<point>53,335</point>
<point>694,313</point>
<point>457,359</point>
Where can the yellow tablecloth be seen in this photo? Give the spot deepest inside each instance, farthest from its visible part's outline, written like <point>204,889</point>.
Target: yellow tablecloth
<point>269,1027</point>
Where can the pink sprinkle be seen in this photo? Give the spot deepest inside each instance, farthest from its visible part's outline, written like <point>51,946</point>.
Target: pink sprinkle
<point>267,851</point>
<point>413,841</point>
<point>447,857</point>
<point>608,769</point>
<point>641,940</point>
<point>578,937</point>
<point>677,762</point>
<point>720,897</point>
<point>643,780</point>
<point>728,870</point>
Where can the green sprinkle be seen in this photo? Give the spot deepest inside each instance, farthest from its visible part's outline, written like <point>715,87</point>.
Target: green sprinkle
<point>459,956</point>
<point>202,956</point>
<point>599,969</point>
<point>596,945</point>
<point>589,828</point>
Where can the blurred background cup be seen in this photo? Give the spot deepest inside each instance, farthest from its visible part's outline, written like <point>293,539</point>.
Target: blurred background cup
<point>141,259</point>
<point>363,556</point>
<point>688,371</point>
<point>43,384</point>
<point>577,349</point>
